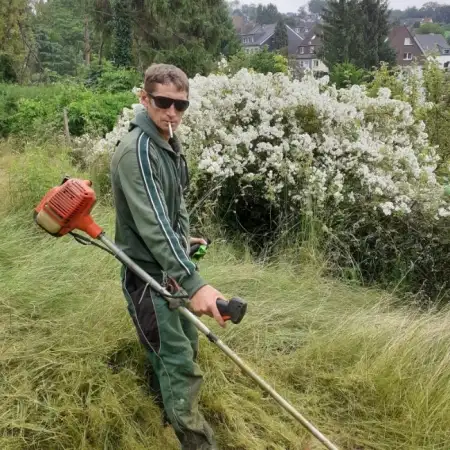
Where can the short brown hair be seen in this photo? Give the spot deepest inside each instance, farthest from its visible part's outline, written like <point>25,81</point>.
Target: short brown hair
<point>165,74</point>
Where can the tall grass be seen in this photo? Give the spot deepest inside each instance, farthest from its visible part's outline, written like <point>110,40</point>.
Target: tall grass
<point>371,374</point>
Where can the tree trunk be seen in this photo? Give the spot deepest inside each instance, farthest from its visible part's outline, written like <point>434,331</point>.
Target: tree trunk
<point>100,53</point>
<point>87,45</point>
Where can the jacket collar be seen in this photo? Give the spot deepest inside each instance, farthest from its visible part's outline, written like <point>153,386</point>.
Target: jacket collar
<point>146,124</point>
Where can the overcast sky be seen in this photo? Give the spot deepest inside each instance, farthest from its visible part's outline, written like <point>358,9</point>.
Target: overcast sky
<point>293,5</point>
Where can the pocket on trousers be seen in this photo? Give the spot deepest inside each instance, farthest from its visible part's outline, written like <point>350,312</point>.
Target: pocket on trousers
<point>142,309</point>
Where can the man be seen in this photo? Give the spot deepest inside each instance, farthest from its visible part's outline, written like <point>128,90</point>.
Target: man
<point>149,176</point>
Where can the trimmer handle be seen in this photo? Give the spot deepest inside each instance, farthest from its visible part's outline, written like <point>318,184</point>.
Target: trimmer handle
<point>233,310</point>
<point>196,247</point>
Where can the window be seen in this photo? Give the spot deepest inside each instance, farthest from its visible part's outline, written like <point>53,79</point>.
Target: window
<point>302,50</point>
<point>446,51</point>
<point>408,41</point>
<point>316,62</point>
<point>407,56</point>
<point>311,49</point>
<point>247,40</point>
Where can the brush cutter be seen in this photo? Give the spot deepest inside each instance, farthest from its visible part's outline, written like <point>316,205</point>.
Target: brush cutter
<point>68,207</point>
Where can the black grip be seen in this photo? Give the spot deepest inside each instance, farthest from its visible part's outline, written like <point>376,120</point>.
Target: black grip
<point>193,250</point>
<point>195,247</point>
<point>233,310</point>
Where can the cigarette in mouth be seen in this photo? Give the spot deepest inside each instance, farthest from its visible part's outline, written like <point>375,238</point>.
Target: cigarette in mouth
<point>170,130</point>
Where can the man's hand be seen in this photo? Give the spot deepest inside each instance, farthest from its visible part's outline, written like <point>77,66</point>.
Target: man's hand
<point>204,302</point>
<point>195,240</point>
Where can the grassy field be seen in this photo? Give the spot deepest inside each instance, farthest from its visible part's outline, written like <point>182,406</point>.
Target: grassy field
<point>368,372</point>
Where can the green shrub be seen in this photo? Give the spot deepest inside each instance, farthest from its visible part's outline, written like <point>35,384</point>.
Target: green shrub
<point>262,61</point>
<point>278,159</point>
<point>107,78</point>
<point>347,74</point>
<point>193,60</point>
<point>96,113</point>
<point>36,111</point>
<point>408,253</point>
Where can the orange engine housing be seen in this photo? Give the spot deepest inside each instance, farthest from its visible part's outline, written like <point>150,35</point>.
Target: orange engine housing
<point>67,207</point>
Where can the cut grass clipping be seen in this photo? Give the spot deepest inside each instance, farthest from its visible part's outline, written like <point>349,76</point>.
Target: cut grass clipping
<point>368,373</point>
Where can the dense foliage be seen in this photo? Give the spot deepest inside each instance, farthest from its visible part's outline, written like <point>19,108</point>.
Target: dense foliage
<point>38,112</point>
<point>438,12</point>
<point>39,40</point>
<point>354,166</point>
<point>355,31</point>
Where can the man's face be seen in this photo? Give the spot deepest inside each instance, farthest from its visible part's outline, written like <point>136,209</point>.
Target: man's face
<point>160,115</point>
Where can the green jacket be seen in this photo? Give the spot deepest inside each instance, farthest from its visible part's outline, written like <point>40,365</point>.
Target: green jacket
<point>149,177</point>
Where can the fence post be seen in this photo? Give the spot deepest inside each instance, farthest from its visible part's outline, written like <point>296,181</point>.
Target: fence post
<point>66,126</point>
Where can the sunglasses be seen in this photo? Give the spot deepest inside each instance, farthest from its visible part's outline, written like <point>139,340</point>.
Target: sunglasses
<point>166,103</point>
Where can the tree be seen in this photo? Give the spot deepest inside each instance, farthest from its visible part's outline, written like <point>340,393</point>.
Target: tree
<point>375,29</point>
<point>102,17</point>
<point>428,28</point>
<point>288,20</point>
<point>17,48</point>
<point>440,13</point>
<point>63,37</point>
<point>316,6</point>
<point>355,31</point>
<point>301,12</point>
<point>338,31</point>
<point>280,37</point>
<point>267,14</point>
<point>250,11</point>
<point>59,31</point>
<point>122,39</point>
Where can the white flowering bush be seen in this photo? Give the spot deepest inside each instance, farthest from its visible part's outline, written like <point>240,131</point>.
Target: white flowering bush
<point>274,147</point>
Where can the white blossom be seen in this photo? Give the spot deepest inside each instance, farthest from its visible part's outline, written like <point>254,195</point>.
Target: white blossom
<point>313,140</point>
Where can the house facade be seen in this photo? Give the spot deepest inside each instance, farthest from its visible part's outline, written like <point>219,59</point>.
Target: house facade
<point>307,53</point>
<point>435,45</point>
<point>408,51</point>
<point>412,49</point>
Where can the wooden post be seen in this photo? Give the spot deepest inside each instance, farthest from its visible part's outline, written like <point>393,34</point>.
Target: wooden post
<point>66,126</point>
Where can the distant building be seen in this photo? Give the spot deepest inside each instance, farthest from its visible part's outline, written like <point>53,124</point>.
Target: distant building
<point>413,48</point>
<point>302,27</point>
<point>407,49</point>
<point>307,53</point>
<point>263,35</point>
<point>239,20</point>
<point>435,45</point>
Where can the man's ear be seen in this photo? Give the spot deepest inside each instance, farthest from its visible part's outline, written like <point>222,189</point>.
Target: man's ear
<point>144,99</point>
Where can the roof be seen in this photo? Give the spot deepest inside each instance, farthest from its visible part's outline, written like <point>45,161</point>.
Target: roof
<point>431,42</point>
<point>294,40</point>
<point>312,38</point>
<point>261,33</point>
<point>295,34</point>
